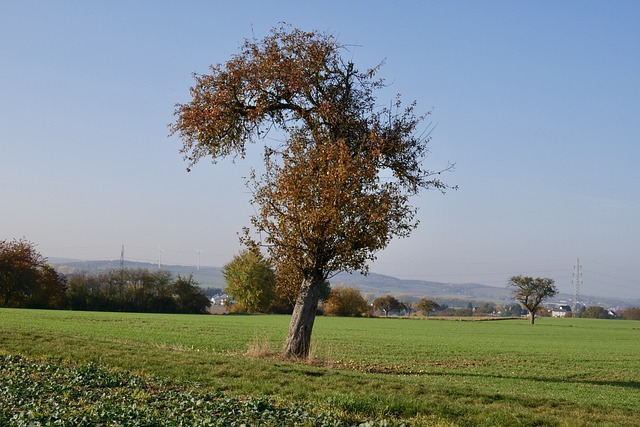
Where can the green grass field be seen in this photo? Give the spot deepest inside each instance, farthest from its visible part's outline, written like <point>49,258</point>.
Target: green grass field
<point>559,372</point>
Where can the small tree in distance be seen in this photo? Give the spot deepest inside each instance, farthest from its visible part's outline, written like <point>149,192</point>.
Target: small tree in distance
<point>596,312</point>
<point>387,304</point>
<point>531,292</point>
<point>346,301</point>
<point>426,306</point>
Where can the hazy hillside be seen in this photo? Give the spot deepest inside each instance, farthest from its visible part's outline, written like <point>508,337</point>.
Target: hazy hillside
<point>381,285</point>
<point>457,293</point>
<point>372,285</point>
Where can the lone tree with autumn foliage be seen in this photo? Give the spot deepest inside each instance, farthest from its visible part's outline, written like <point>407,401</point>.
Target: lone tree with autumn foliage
<point>337,189</point>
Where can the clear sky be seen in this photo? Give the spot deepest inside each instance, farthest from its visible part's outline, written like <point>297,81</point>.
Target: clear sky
<point>537,102</point>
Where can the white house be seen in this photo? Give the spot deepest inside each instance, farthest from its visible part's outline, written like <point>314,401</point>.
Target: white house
<point>561,311</point>
<point>219,299</point>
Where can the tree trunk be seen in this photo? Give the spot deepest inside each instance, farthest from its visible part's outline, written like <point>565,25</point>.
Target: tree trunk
<point>304,314</point>
<point>532,317</point>
<point>7,297</point>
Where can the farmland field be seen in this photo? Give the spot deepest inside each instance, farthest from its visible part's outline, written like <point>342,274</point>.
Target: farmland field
<point>559,372</point>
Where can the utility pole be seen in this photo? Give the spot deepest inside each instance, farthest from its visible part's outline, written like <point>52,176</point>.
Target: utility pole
<point>577,281</point>
<point>122,258</point>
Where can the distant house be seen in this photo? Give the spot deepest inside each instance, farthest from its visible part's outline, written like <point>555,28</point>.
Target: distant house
<point>220,299</point>
<point>218,303</point>
<point>561,311</point>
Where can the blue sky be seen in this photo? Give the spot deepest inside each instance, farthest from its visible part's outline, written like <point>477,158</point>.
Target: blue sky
<point>537,102</point>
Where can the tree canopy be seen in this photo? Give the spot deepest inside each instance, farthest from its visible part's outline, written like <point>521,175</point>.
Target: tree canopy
<point>337,189</point>
<point>426,306</point>
<point>26,280</point>
<point>387,304</point>
<point>347,302</point>
<point>631,313</point>
<point>531,292</point>
<point>251,281</point>
<point>596,312</point>
<point>136,290</point>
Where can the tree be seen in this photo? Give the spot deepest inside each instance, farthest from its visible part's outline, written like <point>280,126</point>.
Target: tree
<point>387,304</point>
<point>596,312</point>
<point>19,264</point>
<point>488,308</point>
<point>346,302</point>
<point>50,291</point>
<point>531,292</point>
<point>511,310</point>
<point>251,281</point>
<point>189,298</point>
<point>337,189</point>
<point>288,280</point>
<point>631,313</point>
<point>25,277</point>
<point>426,306</point>
<point>141,290</point>
<point>408,306</point>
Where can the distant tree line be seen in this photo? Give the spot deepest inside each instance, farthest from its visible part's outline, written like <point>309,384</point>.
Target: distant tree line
<point>256,287</point>
<point>632,313</point>
<point>28,281</point>
<point>599,312</point>
<point>136,290</point>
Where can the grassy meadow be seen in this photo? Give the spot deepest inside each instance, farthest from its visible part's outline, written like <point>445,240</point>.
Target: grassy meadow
<point>559,372</point>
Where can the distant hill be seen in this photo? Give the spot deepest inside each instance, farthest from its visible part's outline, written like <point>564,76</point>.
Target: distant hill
<point>372,285</point>
<point>379,284</point>
<point>457,294</point>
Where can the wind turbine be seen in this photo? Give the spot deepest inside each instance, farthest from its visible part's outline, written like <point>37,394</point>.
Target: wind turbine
<point>199,252</point>
<point>160,250</point>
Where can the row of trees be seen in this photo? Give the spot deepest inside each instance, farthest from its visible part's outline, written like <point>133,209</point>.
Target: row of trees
<point>632,313</point>
<point>253,284</point>
<point>136,290</point>
<point>255,287</point>
<point>27,280</point>
<point>349,301</point>
<point>599,312</point>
